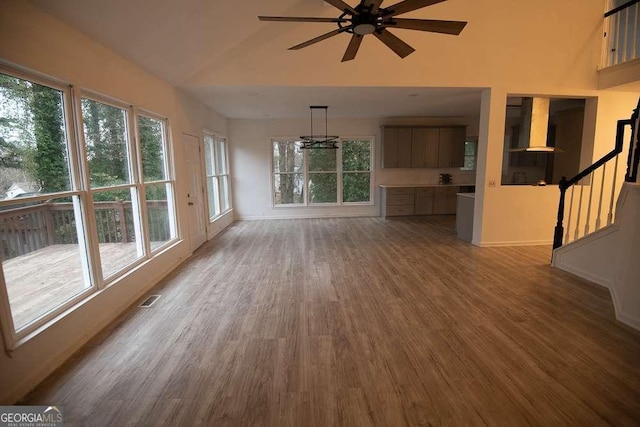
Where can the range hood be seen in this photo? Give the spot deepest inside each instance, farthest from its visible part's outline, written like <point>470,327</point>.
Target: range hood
<point>534,126</point>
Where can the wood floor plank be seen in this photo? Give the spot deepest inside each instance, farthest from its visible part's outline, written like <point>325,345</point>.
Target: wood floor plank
<point>358,322</point>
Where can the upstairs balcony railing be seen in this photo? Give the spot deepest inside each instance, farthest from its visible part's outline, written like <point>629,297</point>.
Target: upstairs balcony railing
<point>621,33</point>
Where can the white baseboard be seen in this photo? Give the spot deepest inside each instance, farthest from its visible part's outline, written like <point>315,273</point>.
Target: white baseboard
<point>516,243</point>
<point>306,216</point>
<point>594,278</point>
<point>633,322</point>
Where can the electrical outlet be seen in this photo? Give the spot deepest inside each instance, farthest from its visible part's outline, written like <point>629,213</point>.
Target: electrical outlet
<point>492,183</point>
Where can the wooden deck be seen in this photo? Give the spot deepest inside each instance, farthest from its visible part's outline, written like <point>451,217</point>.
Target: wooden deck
<point>358,322</point>
<point>42,280</point>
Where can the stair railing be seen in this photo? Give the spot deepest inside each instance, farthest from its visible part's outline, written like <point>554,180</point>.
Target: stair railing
<point>587,177</point>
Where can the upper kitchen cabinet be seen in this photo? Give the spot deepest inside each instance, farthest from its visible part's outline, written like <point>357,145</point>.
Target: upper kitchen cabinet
<point>423,147</point>
<point>451,147</point>
<point>396,147</point>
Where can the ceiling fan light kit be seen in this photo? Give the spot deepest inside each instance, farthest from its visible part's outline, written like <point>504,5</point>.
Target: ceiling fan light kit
<point>369,18</point>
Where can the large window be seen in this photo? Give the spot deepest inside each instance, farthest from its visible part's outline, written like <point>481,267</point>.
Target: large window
<point>42,225</point>
<point>77,210</point>
<point>217,170</point>
<point>329,176</point>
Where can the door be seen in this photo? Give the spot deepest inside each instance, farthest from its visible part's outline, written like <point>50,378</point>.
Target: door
<point>195,192</point>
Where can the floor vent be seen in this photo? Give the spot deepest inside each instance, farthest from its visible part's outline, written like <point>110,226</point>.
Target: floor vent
<point>151,299</point>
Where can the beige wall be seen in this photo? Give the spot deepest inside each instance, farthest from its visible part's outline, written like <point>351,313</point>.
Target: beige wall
<point>40,43</point>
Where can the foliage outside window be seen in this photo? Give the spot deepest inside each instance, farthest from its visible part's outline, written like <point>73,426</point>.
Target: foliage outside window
<point>470,154</point>
<point>46,201</point>
<point>217,170</point>
<point>338,176</point>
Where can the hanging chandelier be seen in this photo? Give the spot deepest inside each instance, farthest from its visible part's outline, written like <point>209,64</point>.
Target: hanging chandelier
<point>325,141</point>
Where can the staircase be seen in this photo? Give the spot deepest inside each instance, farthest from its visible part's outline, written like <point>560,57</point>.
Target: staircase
<point>602,231</point>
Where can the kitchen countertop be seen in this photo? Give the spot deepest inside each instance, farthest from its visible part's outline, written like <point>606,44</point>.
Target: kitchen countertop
<point>454,184</point>
<point>470,195</point>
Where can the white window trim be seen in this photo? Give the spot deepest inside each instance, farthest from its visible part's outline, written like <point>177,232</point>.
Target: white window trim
<point>83,202</point>
<point>305,172</point>
<point>216,136</point>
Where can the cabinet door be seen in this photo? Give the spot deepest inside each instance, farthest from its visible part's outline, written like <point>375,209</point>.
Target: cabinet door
<point>444,200</point>
<point>390,147</point>
<point>445,148</point>
<point>457,157</point>
<point>418,147</point>
<point>451,147</point>
<point>404,147</point>
<point>425,142</point>
<point>424,201</point>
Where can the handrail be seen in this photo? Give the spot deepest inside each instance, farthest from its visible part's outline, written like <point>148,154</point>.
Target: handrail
<point>621,8</point>
<point>631,174</point>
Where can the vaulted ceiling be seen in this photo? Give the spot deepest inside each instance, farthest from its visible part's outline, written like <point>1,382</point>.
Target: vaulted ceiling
<point>220,52</point>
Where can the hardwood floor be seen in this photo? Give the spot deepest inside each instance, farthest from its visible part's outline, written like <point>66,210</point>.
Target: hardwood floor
<point>358,322</point>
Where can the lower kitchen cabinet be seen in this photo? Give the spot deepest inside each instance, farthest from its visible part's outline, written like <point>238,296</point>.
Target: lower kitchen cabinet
<point>404,201</point>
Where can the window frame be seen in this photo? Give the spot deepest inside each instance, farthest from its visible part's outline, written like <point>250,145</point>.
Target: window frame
<point>14,337</point>
<point>305,173</point>
<point>474,141</point>
<point>82,193</point>
<point>217,140</point>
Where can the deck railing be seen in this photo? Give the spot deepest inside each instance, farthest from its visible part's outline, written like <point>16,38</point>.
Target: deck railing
<point>621,34</point>
<point>595,188</point>
<point>26,229</point>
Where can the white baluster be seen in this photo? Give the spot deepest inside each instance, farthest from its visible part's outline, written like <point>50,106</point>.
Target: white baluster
<point>586,227</point>
<point>567,236</point>
<point>613,192</point>
<point>598,221</point>
<point>577,232</point>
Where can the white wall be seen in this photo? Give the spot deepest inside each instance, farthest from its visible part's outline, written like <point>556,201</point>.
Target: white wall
<point>35,40</point>
<point>251,151</point>
<point>510,215</point>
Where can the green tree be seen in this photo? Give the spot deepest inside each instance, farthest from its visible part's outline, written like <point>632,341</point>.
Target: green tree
<point>49,158</point>
<point>151,148</point>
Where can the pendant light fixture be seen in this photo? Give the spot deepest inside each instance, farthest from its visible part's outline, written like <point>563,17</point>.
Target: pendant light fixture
<point>325,141</point>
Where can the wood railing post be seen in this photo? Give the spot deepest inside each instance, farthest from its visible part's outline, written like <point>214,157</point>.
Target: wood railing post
<point>123,222</point>
<point>48,220</point>
<point>559,230</point>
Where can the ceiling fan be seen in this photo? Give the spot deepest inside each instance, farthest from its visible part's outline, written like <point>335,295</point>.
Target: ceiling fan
<point>369,18</point>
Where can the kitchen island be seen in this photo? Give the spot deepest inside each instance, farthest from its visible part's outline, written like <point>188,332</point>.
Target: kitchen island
<point>464,216</point>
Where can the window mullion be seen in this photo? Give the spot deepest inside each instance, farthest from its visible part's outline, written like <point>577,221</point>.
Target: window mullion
<point>90,231</point>
<point>339,173</point>
<point>143,242</point>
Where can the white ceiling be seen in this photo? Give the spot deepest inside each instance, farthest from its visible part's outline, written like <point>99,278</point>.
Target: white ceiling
<point>260,102</point>
<point>177,39</point>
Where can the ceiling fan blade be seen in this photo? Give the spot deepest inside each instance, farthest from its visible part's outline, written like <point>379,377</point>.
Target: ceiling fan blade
<point>353,47</point>
<point>373,4</point>
<point>433,26</point>
<point>394,43</point>
<point>320,38</point>
<point>408,6</point>
<point>339,4</point>
<point>299,19</point>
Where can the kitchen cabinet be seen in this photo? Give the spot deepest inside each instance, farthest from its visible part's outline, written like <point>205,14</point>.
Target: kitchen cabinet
<point>398,201</point>
<point>424,200</point>
<point>445,200</point>
<point>396,147</point>
<point>451,147</point>
<point>421,200</point>
<point>423,147</point>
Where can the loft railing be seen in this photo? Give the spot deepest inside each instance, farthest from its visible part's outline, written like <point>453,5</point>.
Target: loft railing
<point>601,188</point>
<point>26,229</point>
<point>621,33</point>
